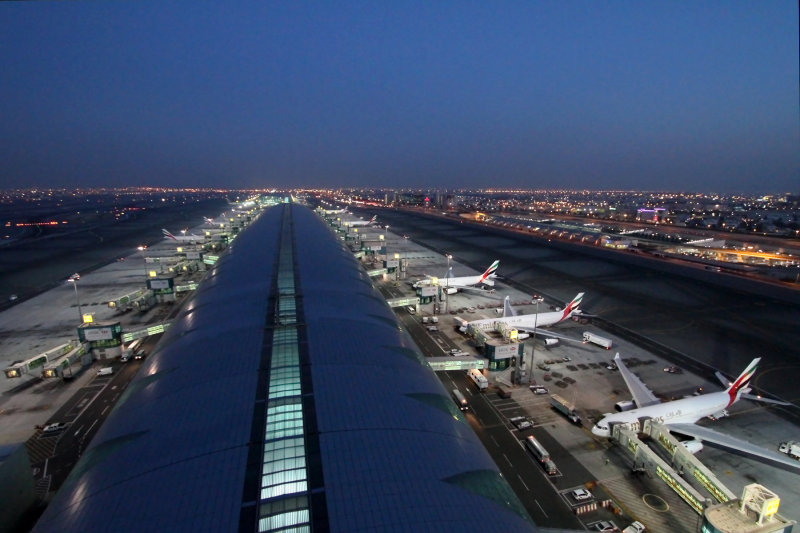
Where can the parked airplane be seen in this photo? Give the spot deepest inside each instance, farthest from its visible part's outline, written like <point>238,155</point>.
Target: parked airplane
<point>356,223</point>
<point>680,416</point>
<point>334,211</point>
<point>182,238</point>
<point>532,322</point>
<point>462,282</point>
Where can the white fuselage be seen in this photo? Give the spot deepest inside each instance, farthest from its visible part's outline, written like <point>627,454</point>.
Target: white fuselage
<point>359,223</point>
<point>185,238</point>
<point>463,281</point>
<point>683,411</point>
<point>526,322</point>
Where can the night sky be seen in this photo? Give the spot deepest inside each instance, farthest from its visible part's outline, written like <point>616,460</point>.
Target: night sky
<point>654,95</point>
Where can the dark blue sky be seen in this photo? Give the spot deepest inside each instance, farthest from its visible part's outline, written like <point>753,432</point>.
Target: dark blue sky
<point>664,95</point>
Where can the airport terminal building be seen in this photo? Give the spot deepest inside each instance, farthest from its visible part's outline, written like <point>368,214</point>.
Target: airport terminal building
<point>286,397</point>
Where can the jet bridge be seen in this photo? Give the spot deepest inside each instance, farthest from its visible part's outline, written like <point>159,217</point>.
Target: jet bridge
<point>402,302</point>
<point>646,460</point>
<point>146,332</point>
<point>446,364</point>
<point>29,366</point>
<point>686,462</point>
<point>57,367</point>
<point>192,285</point>
<point>125,303</point>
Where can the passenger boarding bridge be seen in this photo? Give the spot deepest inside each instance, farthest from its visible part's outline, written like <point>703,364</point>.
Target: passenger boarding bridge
<point>689,478</point>
<point>53,358</point>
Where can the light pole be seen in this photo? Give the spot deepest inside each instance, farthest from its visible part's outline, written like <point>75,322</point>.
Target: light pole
<point>144,261</point>
<point>74,279</point>
<point>446,298</point>
<point>537,300</point>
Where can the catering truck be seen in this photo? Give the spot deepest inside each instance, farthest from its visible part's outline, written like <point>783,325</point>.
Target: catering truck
<point>565,408</point>
<point>597,339</point>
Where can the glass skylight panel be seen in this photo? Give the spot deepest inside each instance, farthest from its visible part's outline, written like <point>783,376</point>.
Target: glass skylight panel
<point>284,448</point>
<point>282,394</point>
<point>283,520</point>
<point>286,464</point>
<point>285,373</point>
<point>285,431</point>
<point>276,409</point>
<point>283,476</point>
<point>284,335</point>
<point>284,506</point>
<point>285,417</point>
<point>283,489</point>
<point>284,355</point>
<point>286,359</point>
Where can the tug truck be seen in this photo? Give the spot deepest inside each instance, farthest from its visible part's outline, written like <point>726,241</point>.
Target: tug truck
<point>790,448</point>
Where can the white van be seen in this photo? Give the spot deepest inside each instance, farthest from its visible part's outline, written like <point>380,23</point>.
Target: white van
<point>107,371</point>
<point>411,310</point>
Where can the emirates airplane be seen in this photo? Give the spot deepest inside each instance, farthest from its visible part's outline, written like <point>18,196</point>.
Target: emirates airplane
<point>357,223</point>
<point>184,238</point>
<point>334,211</point>
<point>680,416</point>
<point>529,322</point>
<point>462,282</point>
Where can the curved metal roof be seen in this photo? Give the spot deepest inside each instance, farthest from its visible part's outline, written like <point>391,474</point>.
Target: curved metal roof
<point>385,447</point>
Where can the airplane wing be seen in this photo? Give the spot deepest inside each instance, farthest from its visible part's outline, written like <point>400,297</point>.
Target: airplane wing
<point>639,391</point>
<point>757,398</point>
<point>736,445</point>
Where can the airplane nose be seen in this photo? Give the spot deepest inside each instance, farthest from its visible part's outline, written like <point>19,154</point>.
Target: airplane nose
<point>599,432</point>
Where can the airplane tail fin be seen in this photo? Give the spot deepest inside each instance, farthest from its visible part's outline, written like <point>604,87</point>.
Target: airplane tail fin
<point>491,270</point>
<point>571,307</point>
<point>507,309</point>
<point>741,385</point>
<point>168,235</point>
<point>373,219</point>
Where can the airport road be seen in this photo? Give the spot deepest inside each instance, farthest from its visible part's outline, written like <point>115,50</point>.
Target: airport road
<point>525,476</point>
<point>84,413</point>
<point>711,317</point>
